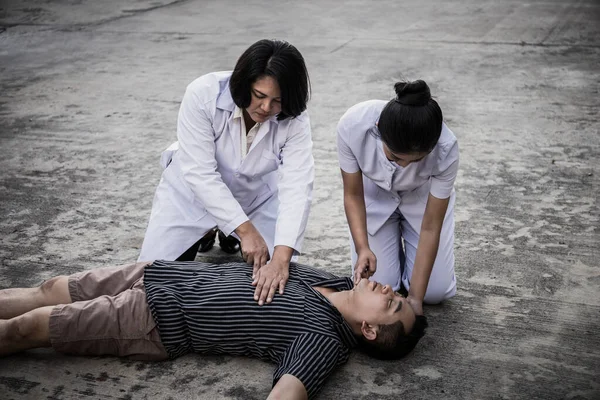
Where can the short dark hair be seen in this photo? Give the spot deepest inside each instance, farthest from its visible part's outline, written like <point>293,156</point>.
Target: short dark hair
<point>412,121</point>
<point>392,342</point>
<point>279,60</point>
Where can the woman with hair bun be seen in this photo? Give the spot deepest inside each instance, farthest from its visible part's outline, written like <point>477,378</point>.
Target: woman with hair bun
<point>399,162</point>
<point>242,165</point>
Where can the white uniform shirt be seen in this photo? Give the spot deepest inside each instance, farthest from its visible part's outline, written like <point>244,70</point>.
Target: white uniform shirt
<point>208,174</point>
<point>246,138</point>
<point>386,182</point>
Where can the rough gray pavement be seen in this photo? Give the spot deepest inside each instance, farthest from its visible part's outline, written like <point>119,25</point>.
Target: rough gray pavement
<point>89,92</point>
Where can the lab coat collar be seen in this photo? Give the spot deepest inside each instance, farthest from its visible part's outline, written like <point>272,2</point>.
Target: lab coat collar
<point>225,101</point>
<point>262,132</point>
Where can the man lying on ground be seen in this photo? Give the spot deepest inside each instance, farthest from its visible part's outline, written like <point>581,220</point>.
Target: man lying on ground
<point>164,309</point>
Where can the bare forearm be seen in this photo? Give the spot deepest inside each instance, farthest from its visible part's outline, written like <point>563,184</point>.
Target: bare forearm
<point>426,252</point>
<point>282,254</point>
<point>245,228</point>
<point>356,214</point>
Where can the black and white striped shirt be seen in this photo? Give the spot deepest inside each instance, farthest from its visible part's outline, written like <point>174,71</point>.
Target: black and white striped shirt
<point>210,308</point>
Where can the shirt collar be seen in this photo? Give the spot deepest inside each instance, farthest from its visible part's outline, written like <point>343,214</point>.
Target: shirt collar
<point>237,113</point>
<point>336,283</point>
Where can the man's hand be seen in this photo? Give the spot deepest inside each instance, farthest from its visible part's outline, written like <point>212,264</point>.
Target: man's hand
<point>253,246</point>
<point>417,305</point>
<point>366,265</point>
<point>269,278</point>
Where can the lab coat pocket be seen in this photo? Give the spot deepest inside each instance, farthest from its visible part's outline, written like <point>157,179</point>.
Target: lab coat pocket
<point>268,162</point>
<point>265,194</point>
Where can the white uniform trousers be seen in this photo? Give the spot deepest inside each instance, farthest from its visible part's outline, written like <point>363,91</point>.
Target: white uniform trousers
<point>395,263</point>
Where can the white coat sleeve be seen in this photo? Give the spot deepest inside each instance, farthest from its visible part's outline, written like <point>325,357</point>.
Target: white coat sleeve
<point>296,177</point>
<point>199,166</point>
<point>346,157</point>
<point>442,182</point>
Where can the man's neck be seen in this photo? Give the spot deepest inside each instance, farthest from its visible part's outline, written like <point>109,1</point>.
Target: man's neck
<point>342,301</point>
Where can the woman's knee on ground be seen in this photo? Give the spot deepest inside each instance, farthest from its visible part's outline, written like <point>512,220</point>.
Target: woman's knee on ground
<point>439,291</point>
<point>442,282</point>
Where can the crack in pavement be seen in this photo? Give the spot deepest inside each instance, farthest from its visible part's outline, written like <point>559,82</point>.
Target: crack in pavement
<point>71,27</point>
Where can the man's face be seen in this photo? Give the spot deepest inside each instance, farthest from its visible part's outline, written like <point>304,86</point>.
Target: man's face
<point>380,305</point>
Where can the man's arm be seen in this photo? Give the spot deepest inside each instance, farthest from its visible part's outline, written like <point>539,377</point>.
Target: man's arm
<point>289,388</point>
<point>306,364</point>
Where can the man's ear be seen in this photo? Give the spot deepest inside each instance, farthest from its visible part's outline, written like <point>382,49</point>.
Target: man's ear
<point>369,331</point>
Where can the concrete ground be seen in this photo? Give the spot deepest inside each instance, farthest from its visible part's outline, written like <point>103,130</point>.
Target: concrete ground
<point>89,93</point>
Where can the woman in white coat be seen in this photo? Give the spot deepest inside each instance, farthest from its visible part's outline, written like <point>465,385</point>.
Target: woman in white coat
<point>243,164</point>
<point>399,162</point>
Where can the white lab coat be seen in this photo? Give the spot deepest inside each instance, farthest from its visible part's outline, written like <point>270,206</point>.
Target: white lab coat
<point>395,199</point>
<point>205,183</point>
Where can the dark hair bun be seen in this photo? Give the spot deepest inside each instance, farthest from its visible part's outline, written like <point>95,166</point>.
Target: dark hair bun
<point>415,93</point>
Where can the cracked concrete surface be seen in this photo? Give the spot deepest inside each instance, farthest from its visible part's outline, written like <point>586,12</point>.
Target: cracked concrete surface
<point>89,93</point>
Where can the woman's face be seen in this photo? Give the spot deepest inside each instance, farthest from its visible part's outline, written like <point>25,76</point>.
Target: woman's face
<point>265,99</point>
<point>403,159</point>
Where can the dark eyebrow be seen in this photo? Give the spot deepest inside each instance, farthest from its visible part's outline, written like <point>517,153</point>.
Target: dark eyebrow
<point>262,94</point>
